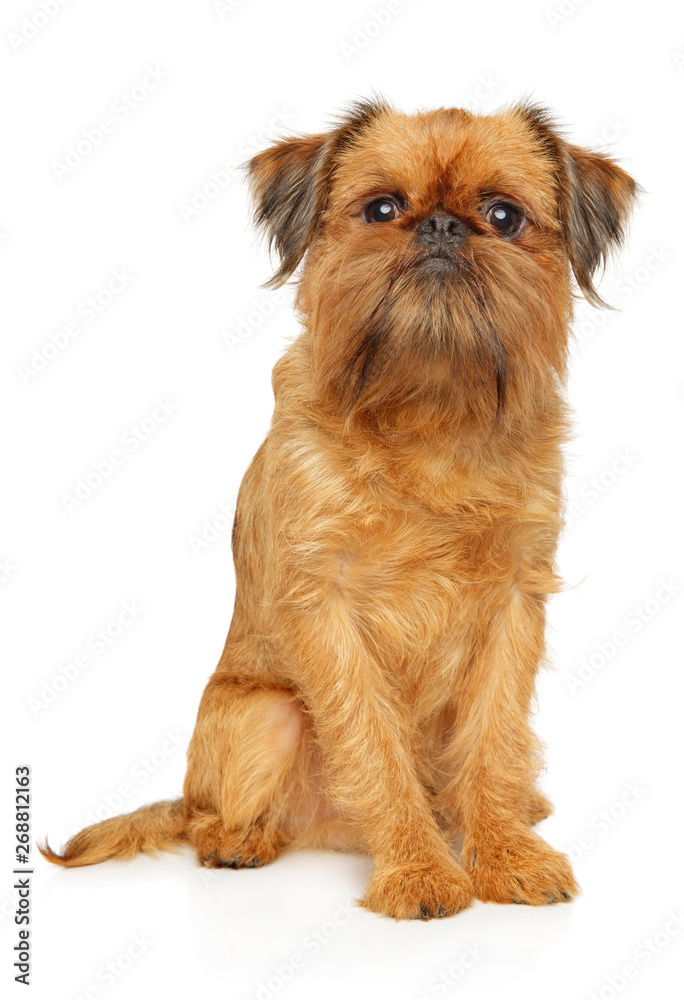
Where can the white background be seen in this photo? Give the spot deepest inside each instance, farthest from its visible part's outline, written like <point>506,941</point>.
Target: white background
<point>226,82</point>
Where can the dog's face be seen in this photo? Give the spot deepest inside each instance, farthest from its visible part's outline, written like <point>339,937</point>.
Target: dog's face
<point>439,249</point>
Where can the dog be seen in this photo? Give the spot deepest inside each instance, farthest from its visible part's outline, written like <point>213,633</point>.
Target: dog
<point>395,534</point>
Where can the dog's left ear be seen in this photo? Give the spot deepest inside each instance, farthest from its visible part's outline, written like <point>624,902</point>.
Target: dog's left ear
<point>596,198</point>
<point>289,183</point>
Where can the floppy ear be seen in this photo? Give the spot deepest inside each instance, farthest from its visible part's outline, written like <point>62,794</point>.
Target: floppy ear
<point>289,183</point>
<point>597,198</point>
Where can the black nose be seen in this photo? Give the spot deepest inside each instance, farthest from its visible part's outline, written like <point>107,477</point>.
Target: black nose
<point>439,231</point>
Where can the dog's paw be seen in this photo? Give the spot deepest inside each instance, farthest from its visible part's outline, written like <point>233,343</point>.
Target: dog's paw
<point>241,848</point>
<point>523,869</point>
<point>419,891</point>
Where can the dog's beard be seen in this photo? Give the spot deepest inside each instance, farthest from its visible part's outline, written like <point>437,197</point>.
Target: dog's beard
<point>421,334</point>
<point>447,330</point>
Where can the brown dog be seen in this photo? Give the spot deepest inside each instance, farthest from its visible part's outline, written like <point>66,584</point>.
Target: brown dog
<point>395,533</point>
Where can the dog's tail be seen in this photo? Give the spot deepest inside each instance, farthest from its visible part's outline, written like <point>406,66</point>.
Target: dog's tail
<point>158,827</point>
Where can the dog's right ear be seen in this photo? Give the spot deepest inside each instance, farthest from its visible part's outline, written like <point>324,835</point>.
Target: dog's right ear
<point>289,183</point>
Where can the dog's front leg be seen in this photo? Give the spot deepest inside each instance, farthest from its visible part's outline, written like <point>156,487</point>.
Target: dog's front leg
<point>496,758</point>
<point>365,740</point>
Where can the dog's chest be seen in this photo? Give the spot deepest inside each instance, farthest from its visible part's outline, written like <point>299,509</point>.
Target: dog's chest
<point>422,571</point>
<point>415,560</point>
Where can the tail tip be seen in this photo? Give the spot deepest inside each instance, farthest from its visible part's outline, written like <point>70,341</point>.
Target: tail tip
<point>52,856</point>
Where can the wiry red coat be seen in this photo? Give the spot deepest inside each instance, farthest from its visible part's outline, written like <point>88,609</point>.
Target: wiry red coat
<point>395,533</point>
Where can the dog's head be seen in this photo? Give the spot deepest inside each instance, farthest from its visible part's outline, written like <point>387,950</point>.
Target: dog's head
<point>438,248</point>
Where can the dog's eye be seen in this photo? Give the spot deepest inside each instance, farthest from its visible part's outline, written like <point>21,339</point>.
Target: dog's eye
<point>382,210</point>
<point>505,219</point>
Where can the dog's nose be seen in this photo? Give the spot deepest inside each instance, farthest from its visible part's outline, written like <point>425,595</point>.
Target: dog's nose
<point>441,231</point>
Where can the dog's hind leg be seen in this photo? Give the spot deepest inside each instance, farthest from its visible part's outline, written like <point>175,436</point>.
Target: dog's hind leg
<point>242,762</point>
